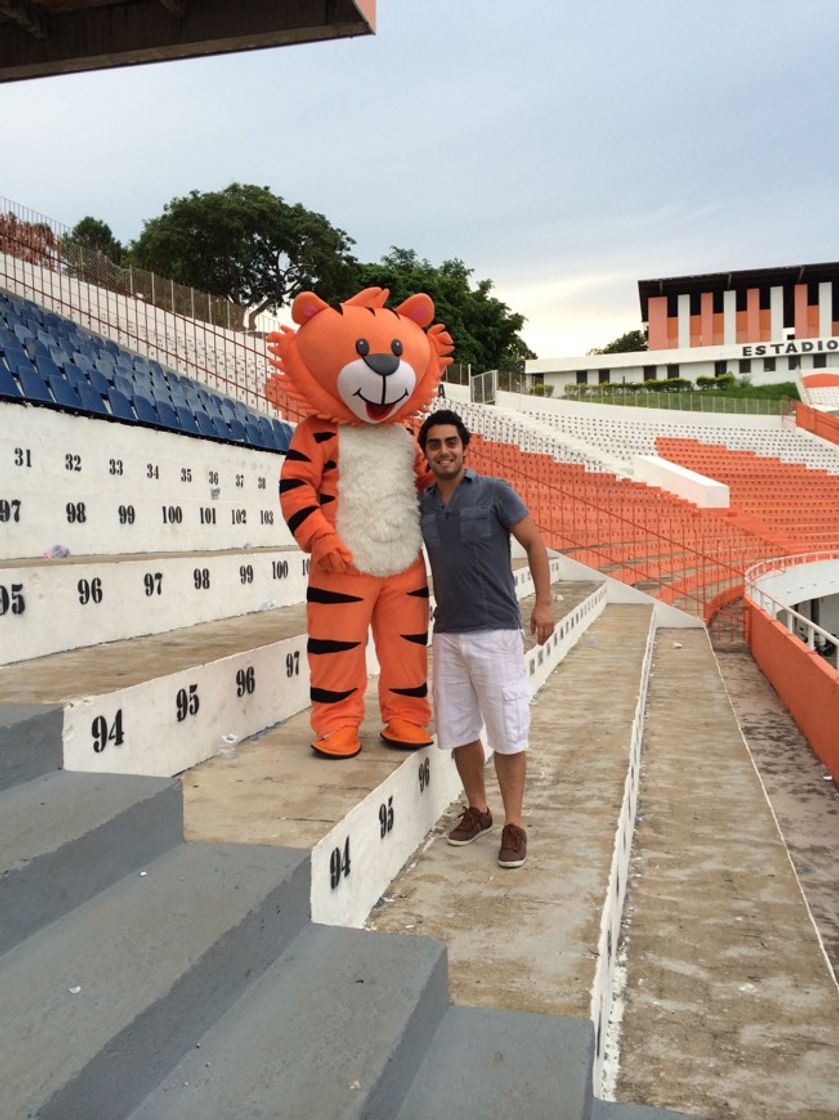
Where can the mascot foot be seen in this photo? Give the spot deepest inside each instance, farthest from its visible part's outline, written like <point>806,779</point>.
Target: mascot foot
<point>406,736</point>
<point>343,743</point>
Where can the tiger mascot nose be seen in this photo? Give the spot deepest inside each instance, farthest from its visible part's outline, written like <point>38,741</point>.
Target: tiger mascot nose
<point>383,364</point>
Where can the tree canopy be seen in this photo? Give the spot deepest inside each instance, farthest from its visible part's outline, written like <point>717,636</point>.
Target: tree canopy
<point>246,244</point>
<point>624,344</point>
<point>485,330</point>
<point>96,236</point>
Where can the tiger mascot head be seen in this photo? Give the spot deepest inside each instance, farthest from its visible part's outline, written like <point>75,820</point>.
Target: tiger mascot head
<point>361,362</point>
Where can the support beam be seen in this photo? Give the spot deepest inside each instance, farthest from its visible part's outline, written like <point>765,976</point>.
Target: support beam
<point>176,8</point>
<point>26,16</point>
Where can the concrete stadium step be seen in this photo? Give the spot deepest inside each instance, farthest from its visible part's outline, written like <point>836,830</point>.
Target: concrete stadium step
<point>30,741</point>
<point>500,1064</point>
<point>336,1028</point>
<point>64,837</point>
<point>159,704</point>
<point>726,972</point>
<point>68,603</point>
<point>544,938</point>
<point>99,1005</point>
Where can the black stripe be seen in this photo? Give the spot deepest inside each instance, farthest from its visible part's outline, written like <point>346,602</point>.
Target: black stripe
<point>322,437</point>
<point>326,645</point>
<point>295,456</point>
<point>421,690</point>
<point>420,593</point>
<point>326,498</point>
<point>290,484</point>
<point>324,696</point>
<point>329,465</point>
<point>420,639</point>
<point>297,519</point>
<point>320,595</point>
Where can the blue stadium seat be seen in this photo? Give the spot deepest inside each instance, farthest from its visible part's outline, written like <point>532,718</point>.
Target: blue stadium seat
<point>125,385</point>
<point>33,385</point>
<point>91,400</point>
<point>99,382</point>
<point>283,434</point>
<point>266,430</point>
<point>205,424</point>
<point>253,435</point>
<point>8,385</point>
<point>63,392</point>
<point>187,420</point>
<point>120,405</point>
<point>46,366</point>
<point>237,430</point>
<point>145,410</point>
<point>83,361</point>
<point>220,426</point>
<point>167,414</point>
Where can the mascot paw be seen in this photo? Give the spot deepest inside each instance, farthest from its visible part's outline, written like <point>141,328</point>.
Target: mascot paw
<point>343,743</point>
<point>405,736</point>
<point>330,555</point>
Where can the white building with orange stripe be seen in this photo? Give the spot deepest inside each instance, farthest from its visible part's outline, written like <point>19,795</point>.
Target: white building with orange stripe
<point>772,324</point>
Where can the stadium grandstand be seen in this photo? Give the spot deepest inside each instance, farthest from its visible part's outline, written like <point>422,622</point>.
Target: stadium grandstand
<point>199,919</point>
<point>152,607</point>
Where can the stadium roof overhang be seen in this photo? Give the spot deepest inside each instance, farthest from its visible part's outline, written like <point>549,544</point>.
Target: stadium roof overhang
<point>726,281</point>
<point>43,37</point>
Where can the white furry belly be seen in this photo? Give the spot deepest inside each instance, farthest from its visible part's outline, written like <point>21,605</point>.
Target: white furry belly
<point>378,511</point>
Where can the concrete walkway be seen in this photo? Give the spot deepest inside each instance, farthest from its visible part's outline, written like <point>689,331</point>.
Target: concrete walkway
<point>731,1010</point>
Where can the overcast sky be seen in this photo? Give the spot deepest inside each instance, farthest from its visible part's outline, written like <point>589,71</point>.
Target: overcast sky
<point>562,149</point>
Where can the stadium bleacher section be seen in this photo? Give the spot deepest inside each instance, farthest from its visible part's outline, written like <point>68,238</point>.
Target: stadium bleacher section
<point>48,360</point>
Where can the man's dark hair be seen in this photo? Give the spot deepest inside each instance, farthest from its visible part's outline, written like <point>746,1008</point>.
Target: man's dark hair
<point>443,416</point>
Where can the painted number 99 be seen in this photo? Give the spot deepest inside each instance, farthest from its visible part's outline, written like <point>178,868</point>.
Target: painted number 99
<point>424,775</point>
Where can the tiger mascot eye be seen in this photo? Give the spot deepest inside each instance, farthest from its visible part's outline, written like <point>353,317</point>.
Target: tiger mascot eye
<point>348,492</point>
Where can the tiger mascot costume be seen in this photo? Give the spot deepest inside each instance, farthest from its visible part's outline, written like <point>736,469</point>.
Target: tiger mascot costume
<point>348,492</point>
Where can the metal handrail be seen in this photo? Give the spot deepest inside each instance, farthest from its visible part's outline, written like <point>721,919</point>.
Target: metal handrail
<point>798,624</point>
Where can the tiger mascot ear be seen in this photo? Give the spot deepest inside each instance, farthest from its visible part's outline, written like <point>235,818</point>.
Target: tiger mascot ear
<point>362,362</point>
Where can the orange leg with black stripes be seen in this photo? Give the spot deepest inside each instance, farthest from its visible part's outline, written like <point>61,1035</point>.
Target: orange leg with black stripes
<point>340,608</point>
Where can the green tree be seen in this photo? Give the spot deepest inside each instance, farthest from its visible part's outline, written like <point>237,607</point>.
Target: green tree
<point>95,235</point>
<point>248,245</point>
<point>485,330</point>
<point>631,340</point>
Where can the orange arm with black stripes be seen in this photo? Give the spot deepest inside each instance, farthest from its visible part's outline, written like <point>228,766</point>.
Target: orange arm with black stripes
<point>306,488</point>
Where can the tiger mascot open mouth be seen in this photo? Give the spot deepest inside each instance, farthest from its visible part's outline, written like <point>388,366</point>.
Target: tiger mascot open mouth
<point>348,492</point>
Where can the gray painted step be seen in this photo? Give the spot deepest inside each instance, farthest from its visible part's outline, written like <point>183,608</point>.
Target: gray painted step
<point>30,741</point>
<point>501,1064</point>
<point>615,1110</point>
<point>99,1006</point>
<point>63,837</point>
<point>336,1028</point>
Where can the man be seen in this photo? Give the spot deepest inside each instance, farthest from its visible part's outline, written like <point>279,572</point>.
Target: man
<point>479,669</point>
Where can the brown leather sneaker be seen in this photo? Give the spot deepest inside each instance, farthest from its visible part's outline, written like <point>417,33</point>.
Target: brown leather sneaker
<point>513,850</point>
<point>470,826</point>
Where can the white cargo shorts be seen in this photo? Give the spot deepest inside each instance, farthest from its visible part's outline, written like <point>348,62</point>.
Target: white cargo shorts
<point>480,680</point>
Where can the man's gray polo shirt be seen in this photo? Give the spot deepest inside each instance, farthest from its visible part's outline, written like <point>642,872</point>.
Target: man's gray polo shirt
<point>468,544</point>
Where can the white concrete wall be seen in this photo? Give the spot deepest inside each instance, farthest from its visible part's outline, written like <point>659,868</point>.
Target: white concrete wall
<point>639,416</point>
<point>102,487</point>
<point>696,488</point>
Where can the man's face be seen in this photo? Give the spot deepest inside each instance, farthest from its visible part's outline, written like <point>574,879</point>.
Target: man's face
<point>444,451</point>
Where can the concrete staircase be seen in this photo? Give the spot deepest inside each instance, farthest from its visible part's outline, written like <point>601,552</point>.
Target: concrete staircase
<point>144,977</point>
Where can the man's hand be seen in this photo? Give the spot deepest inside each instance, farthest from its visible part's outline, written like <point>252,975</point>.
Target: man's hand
<point>542,623</point>
<point>331,554</point>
